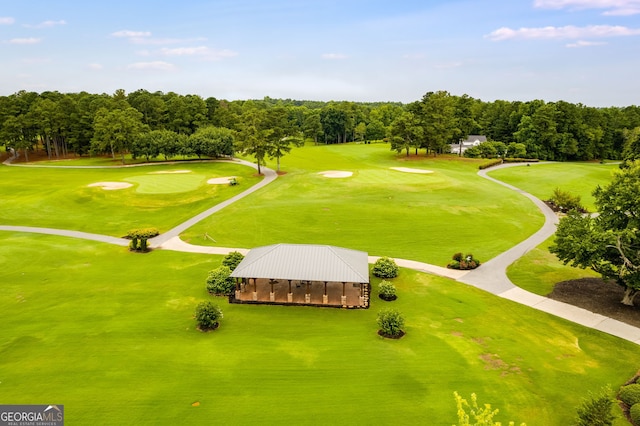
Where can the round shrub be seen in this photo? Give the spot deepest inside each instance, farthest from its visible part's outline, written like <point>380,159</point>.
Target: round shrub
<point>208,316</point>
<point>385,267</point>
<point>232,260</point>
<point>387,291</point>
<point>630,394</point>
<point>390,322</point>
<point>219,281</point>
<point>634,413</point>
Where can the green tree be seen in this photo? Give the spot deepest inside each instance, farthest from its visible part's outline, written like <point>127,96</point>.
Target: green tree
<point>280,133</point>
<point>208,316</point>
<point>115,130</point>
<point>253,137</point>
<point>211,141</point>
<point>608,243</point>
<point>390,322</point>
<point>232,260</point>
<point>405,133</point>
<point>219,281</point>
<point>312,126</point>
<point>631,144</point>
<point>385,267</point>
<point>436,114</point>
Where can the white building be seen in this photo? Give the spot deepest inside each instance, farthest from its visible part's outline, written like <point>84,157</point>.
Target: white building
<point>472,140</point>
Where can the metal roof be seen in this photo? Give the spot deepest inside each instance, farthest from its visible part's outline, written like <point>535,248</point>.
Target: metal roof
<point>305,262</point>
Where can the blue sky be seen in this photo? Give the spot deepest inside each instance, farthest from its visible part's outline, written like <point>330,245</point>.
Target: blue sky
<point>585,51</point>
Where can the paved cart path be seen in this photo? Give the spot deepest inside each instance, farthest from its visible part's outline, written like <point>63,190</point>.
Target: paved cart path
<point>491,276</point>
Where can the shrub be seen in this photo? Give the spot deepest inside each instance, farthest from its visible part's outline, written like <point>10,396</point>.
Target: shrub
<point>475,414</point>
<point>489,164</point>
<point>232,260</point>
<point>630,394</point>
<point>219,282</point>
<point>634,413</point>
<point>565,202</point>
<point>387,290</point>
<point>139,238</point>
<point>596,410</point>
<point>385,267</point>
<point>463,262</point>
<point>390,322</point>
<point>208,316</point>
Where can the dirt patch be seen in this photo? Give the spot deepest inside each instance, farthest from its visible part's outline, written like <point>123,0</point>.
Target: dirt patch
<point>221,180</point>
<point>336,174</point>
<point>111,186</point>
<point>599,296</point>
<point>410,170</point>
<point>169,172</point>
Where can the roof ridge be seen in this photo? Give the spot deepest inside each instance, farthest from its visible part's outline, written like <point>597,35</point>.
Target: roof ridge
<point>332,248</point>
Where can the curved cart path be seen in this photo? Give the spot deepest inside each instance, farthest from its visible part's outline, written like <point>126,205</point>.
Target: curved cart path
<point>490,276</point>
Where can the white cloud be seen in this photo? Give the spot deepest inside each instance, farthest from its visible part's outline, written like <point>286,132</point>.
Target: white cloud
<point>569,31</point>
<point>47,24</point>
<point>154,65</point>
<point>612,7</point>
<point>128,33</point>
<point>6,20</point>
<point>95,66</point>
<point>30,40</point>
<point>334,56</point>
<point>199,51</point>
<point>583,43</point>
<point>162,41</point>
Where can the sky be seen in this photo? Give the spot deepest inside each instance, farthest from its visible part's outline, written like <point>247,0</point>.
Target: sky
<point>579,51</point>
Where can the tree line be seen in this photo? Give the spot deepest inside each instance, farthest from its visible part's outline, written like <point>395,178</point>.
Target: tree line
<point>156,124</point>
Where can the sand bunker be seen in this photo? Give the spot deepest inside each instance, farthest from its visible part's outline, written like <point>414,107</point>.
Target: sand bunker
<point>410,170</point>
<point>220,180</point>
<point>336,174</point>
<point>166,172</point>
<point>110,186</point>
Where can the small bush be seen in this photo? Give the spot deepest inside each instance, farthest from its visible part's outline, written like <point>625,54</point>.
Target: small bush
<point>463,262</point>
<point>385,267</point>
<point>232,260</point>
<point>139,238</point>
<point>596,410</point>
<point>390,322</point>
<point>564,201</point>
<point>630,394</point>
<point>208,316</point>
<point>634,413</point>
<point>387,290</point>
<point>219,282</point>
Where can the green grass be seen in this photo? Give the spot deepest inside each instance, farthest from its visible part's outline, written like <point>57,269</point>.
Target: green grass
<point>539,271</point>
<point>61,198</point>
<point>576,178</point>
<point>426,217</point>
<point>110,335</point>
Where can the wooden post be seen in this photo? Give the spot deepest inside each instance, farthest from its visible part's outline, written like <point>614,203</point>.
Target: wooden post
<point>325,298</point>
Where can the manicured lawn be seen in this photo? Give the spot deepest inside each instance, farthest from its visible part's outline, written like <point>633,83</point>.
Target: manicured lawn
<point>61,198</point>
<point>539,271</point>
<point>110,335</point>
<point>541,179</point>
<point>426,217</point>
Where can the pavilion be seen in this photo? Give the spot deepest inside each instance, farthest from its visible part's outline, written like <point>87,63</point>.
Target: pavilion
<point>303,274</point>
